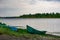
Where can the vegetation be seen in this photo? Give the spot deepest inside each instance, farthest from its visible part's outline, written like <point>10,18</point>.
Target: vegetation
<point>22,33</point>
<point>7,31</point>
<point>41,15</point>
<point>37,15</point>
<point>4,29</point>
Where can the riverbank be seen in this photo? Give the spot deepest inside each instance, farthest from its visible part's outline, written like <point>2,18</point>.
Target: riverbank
<point>22,34</point>
<point>27,37</point>
<point>6,33</point>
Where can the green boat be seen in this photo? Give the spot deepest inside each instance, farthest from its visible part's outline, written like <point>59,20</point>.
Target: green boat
<point>34,31</point>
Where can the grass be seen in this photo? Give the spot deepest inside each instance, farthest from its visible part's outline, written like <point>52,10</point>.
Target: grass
<point>22,32</point>
<point>6,30</point>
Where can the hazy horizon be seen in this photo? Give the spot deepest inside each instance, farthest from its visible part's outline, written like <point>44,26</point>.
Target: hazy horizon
<point>20,7</point>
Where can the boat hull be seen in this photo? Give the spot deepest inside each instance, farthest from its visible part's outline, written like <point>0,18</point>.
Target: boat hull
<point>34,31</point>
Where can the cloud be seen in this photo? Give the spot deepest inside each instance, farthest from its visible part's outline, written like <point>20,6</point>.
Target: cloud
<point>53,0</point>
<point>50,0</point>
<point>35,1</point>
<point>8,11</point>
<point>1,0</point>
<point>19,7</point>
<point>32,1</point>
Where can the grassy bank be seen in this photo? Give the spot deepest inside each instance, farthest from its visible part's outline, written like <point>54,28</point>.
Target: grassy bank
<point>24,35</point>
<point>11,32</point>
<point>21,32</point>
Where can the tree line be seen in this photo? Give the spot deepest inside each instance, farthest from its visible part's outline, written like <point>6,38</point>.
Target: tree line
<point>41,15</point>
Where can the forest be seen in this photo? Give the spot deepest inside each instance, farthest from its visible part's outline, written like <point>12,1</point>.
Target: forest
<point>41,15</point>
<point>37,15</point>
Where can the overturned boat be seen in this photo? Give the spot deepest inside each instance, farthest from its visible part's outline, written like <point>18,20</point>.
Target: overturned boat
<point>34,31</point>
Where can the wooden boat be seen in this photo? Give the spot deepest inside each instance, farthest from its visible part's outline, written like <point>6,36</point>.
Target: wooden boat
<point>34,31</point>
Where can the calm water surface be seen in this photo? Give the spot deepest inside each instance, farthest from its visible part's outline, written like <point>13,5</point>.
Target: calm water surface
<point>48,24</point>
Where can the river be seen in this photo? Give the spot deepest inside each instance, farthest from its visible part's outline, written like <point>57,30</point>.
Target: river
<point>47,24</point>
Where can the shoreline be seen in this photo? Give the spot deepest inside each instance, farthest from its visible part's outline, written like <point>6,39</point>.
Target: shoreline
<point>7,33</point>
<point>27,37</point>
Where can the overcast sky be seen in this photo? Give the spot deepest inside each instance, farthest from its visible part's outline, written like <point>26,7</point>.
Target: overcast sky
<point>19,7</point>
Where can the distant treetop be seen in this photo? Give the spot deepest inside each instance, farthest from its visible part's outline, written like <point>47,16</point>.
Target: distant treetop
<point>42,15</point>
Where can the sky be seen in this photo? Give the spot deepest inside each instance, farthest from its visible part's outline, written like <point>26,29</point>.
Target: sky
<point>20,7</point>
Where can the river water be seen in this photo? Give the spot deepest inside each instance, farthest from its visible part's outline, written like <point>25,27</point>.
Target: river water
<point>47,24</point>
